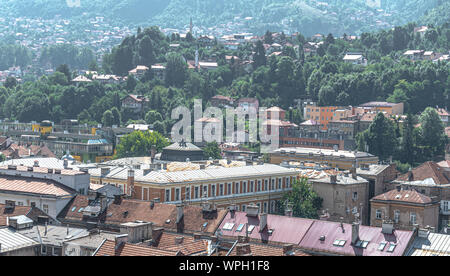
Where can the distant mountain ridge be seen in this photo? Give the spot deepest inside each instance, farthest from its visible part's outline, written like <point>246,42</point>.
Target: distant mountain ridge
<point>306,16</point>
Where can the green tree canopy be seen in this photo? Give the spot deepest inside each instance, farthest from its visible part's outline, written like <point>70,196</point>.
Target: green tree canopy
<point>140,143</point>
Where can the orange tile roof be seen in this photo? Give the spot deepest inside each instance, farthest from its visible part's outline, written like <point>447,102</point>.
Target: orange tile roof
<point>267,250</point>
<point>427,170</point>
<point>127,249</point>
<point>411,196</point>
<point>33,185</point>
<point>188,245</point>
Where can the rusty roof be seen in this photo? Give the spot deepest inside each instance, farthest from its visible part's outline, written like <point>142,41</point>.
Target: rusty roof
<point>34,186</point>
<point>107,248</point>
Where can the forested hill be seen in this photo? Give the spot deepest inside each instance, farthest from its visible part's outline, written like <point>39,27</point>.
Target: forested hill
<point>307,16</point>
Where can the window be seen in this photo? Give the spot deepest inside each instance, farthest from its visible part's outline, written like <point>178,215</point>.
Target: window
<point>259,186</point>
<point>229,189</point>
<point>266,184</point>
<point>396,216</point>
<point>205,191</point>
<point>272,207</point>
<point>239,229</point>
<point>339,243</point>
<point>355,196</point>
<point>213,190</point>
<point>167,198</point>
<point>188,193</point>
<point>244,187</point>
<point>382,246</point>
<point>33,204</point>
<point>279,183</point>
<point>251,186</point>
<point>250,229</point>
<point>412,218</point>
<point>44,250</point>
<point>272,187</point>
<point>265,207</point>
<point>362,244</point>
<point>177,194</point>
<point>228,226</point>
<point>378,214</point>
<point>287,182</point>
<point>259,206</point>
<point>244,208</point>
<point>236,189</point>
<point>19,203</point>
<point>220,189</point>
<point>196,192</point>
<point>445,206</point>
<point>391,247</point>
<point>45,208</point>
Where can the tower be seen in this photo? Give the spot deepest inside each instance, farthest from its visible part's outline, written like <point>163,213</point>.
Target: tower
<point>196,59</point>
<point>191,26</point>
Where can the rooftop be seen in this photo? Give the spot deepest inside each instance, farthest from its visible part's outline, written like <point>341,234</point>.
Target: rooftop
<point>12,240</point>
<point>325,152</point>
<point>411,196</point>
<point>34,186</point>
<point>428,173</point>
<point>433,245</point>
<point>108,248</point>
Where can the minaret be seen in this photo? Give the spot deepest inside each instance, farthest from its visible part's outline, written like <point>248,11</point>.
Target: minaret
<point>196,59</point>
<point>190,27</point>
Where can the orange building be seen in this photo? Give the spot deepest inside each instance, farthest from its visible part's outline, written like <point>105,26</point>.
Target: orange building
<point>321,114</point>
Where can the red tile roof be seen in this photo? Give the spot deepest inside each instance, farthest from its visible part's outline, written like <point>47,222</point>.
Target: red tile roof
<point>426,170</point>
<point>162,215</point>
<point>127,249</point>
<point>411,196</point>
<point>267,250</point>
<point>187,245</point>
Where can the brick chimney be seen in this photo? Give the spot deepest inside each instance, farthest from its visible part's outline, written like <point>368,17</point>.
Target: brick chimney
<point>119,240</point>
<point>287,249</point>
<point>180,221</point>
<point>243,239</point>
<point>130,183</point>
<point>243,249</point>
<point>179,240</point>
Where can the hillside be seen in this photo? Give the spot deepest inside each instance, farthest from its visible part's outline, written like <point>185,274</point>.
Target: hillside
<point>307,16</point>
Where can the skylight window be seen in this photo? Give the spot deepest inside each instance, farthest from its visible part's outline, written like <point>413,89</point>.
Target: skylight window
<point>81,210</point>
<point>74,208</point>
<point>250,229</point>
<point>239,229</point>
<point>204,225</point>
<point>228,226</point>
<point>362,244</point>
<point>339,243</point>
<point>382,246</point>
<point>391,247</point>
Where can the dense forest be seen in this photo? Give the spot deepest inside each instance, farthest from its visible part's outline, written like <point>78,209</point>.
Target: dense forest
<point>308,16</point>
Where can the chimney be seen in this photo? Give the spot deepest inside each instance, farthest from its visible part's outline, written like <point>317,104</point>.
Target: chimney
<point>36,163</point>
<point>130,182</point>
<point>178,240</point>
<point>353,172</point>
<point>355,232</point>
<point>252,210</point>
<point>117,199</point>
<point>180,213</point>
<point>262,222</point>
<point>104,171</point>
<point>287,249</point>
<point>288,212</point>
<point>66,163</point>
<point>399,188</point>
<point>243,249</point>
<point>156,233</point>
<point>387,227</point>
<point>45,233</point>
<point>243,239</point>
<point>119,240</point>
<point>333,178</point>
<point>197,236</point>
<point>410,175</point>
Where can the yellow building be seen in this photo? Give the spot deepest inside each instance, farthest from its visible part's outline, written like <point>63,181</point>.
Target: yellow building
<point>262,185</point>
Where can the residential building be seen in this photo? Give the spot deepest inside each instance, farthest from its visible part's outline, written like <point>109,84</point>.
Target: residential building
<point>341,159</point>
<point>222,101</point>
<point>388,108</point>
<point>222,184</point>
<point>159,70</point>
<point>406,208</point>
<point>86,245</point>
<point>34,214</point>
<point>345,197</point>
<point>139,71</point>
<point>321,114</point>
<point>355,58</point>
<point>246,103</point>
<point>136,103</point>
<point>379,176</point>
<point>431,180</point>
<point>181,152</point>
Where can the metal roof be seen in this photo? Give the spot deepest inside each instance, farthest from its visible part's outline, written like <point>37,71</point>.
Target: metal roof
<point>434,245</point>
<point>12,240</point>
<point>215,174</point>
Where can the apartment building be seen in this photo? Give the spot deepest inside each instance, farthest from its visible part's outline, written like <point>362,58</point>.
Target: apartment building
<point>194,183</point>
